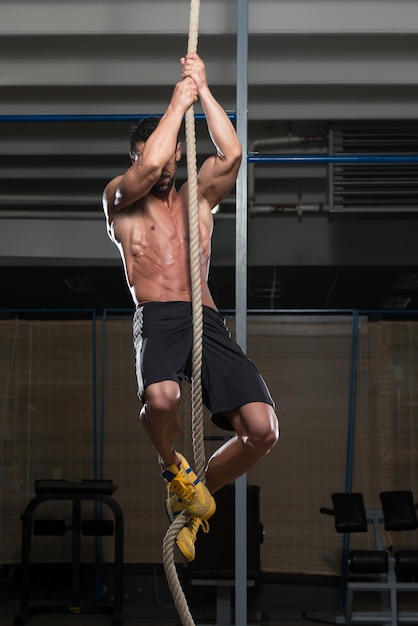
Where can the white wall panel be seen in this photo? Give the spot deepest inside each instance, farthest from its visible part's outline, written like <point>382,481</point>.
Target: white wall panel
<point>112,17</point>
<point>333,16</point>
<point>153,63</point>
<point>217,16</point>
<point>272,241</point>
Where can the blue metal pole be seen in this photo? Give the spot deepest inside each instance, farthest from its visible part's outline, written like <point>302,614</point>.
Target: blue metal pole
<point>94,392</point>
<point>352,406</point>
<point>72,118</point>
<point>349,460</point>
<point>102,392</point>
<point>332,158</point>
<point>97,461</point>
<point>122,117</point>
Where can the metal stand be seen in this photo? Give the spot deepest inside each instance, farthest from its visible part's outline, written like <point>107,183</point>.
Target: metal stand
<point>93,490</point>
<point>223,598</point>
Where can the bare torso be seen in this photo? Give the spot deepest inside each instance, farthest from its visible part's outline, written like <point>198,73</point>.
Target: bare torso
<point>153,237</point>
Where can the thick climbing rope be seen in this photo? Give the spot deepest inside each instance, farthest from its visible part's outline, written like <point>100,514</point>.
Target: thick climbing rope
<point>197,401</point>
<point>195,269</point>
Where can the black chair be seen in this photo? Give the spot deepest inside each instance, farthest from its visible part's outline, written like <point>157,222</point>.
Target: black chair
<point>399,514</point>
<point>377,570</point>
<point>364,570</point>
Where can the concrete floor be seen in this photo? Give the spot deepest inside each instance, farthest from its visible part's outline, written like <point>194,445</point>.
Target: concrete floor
<point>150,616</point>
<point>81,620</point>
<point>101,621</point>
<point>105,620</point>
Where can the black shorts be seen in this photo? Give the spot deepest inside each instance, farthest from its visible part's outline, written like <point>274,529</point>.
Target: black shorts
<point>163,338</point>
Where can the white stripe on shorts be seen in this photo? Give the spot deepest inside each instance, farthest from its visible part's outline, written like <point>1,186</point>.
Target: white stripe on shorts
<point>137,334</point>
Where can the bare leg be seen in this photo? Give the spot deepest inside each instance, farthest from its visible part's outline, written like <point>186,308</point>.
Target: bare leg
<point>257,431</point>
<point>159,417</point>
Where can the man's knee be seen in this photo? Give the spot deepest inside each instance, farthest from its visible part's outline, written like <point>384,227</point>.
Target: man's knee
<point>273,433</point>
<point>267,435</point>
<point>163,397</point>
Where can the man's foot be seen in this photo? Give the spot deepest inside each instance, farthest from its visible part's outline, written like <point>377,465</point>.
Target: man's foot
<point>173,505</point>
<point>191,494</point>
<point>186,538</point>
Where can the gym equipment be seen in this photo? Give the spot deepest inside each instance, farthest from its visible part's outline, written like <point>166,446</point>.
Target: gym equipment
<point>379,570</point>
<point>99,491</point>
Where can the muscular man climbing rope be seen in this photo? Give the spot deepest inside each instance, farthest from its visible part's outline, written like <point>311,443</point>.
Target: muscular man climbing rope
<point>147,220</point>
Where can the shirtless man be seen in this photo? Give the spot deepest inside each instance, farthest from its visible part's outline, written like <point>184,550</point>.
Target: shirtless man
<point>147,218</point>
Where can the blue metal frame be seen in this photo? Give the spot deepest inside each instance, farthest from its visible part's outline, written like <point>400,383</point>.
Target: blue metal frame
<point>105,117</point>
<point>331,158</point>
<point>99,421</point>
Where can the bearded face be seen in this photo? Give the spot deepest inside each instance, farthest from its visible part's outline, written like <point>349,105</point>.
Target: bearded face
<point>164,185</point>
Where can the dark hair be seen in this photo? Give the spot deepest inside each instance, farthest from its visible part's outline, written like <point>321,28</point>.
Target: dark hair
<point>142,130</point>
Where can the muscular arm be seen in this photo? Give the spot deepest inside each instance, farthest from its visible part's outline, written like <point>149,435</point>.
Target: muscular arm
<point>139,179</point>
<point>218,173</point>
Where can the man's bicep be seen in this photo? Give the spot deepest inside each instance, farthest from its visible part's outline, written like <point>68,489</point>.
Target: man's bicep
<point>132,187</point>
<point>108,202</point>
<point>216,179</point>
<point>121,193</point>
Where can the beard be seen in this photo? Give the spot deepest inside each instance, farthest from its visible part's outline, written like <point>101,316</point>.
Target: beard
<point>163,186</point>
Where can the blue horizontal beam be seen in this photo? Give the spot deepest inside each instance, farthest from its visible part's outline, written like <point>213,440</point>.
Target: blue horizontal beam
<point>130,311</point>
<point>331,158</point>
<point>122,117</point>
<point>72,118</point>
<point>9,311</point>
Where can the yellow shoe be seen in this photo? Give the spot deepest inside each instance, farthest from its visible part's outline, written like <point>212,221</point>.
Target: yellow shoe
<point>186,538</point>
<point>173,505</point>
<point>191,494</point>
